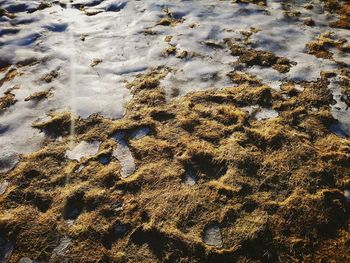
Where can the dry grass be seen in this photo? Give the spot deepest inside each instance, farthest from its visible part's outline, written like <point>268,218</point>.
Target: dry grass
<point>274,187</point>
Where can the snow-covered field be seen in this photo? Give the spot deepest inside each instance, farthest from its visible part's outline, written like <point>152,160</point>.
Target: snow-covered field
<point>93,47</point>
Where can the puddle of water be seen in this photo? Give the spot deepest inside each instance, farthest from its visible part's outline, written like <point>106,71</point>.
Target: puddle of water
<point>212,236</point>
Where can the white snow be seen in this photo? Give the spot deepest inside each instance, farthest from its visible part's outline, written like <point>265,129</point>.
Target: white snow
<point>124,156</point>
<point>82,150</point>
<point>3,186</point>
<point>347,194</point>
<point>68,40</point>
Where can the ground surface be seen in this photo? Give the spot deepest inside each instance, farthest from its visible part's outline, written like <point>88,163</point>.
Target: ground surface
<point>174,131</point>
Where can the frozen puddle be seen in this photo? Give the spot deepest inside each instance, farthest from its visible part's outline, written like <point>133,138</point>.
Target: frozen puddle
<point>212,236</point>
<point>124,156</point>
<point>82,150</point>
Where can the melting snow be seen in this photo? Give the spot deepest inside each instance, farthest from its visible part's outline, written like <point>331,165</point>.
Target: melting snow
<point>3,187</point>
<point>347,195</point>
<point>66,39</point>
<point>340,111</point>
<point>212,236</point>
<point>83,149</point>
<point>140,133</point>
<point>62,247</point>
<point>124,156</point>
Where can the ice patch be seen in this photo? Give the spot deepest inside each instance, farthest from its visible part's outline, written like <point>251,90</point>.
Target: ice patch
<point>140,133</point>
<point>62,247</point>
<point>212,236</point>
<point>340,110</point>
<point>347,195</point>
<point>124,156</point>
<point>190,179</point>
<point>82,150</point>
<point>261,113</point>
<point>8,160</point>
<point>265,113</point>
<point>3,187</point>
